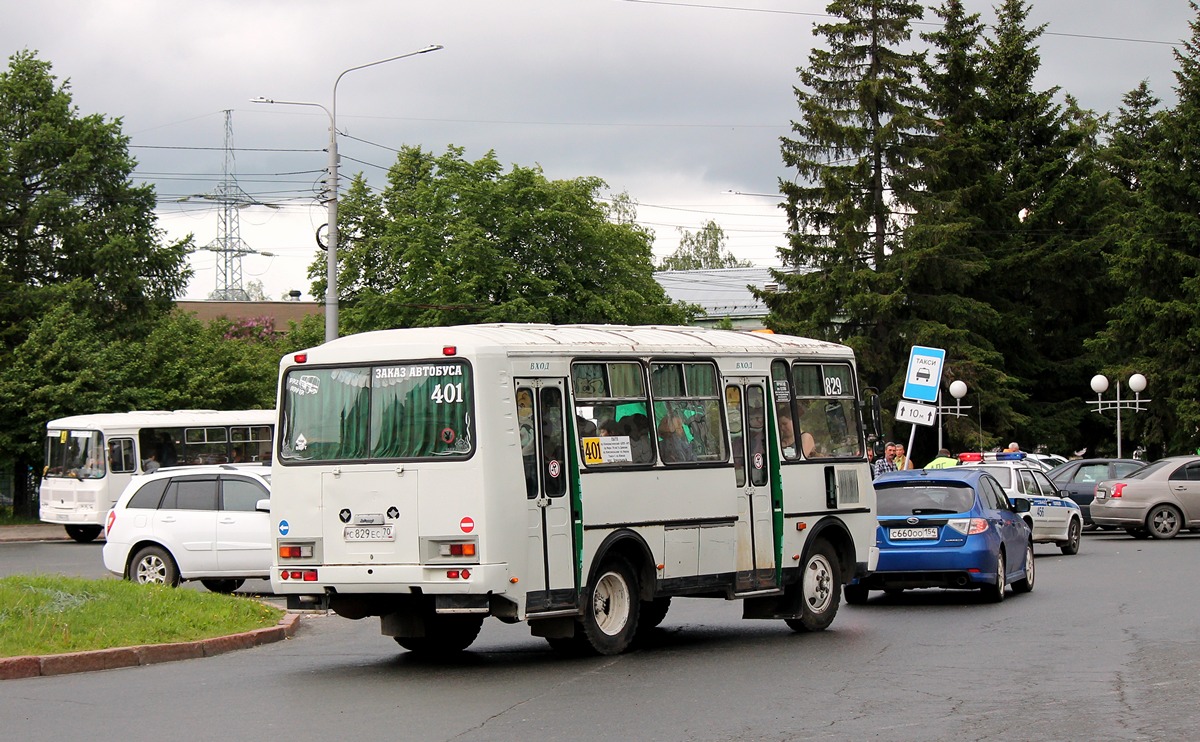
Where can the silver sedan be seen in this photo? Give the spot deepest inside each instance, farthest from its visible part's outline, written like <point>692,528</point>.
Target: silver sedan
<point>1160,500</point>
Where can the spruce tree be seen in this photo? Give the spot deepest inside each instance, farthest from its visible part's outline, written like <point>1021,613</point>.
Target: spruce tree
<point>1155,329</point>
<point>860,107</point>
<point>1042,223</point>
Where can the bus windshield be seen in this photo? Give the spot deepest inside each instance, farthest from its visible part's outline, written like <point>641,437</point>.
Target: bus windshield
<point>402,411</point>
<point>78,454</point>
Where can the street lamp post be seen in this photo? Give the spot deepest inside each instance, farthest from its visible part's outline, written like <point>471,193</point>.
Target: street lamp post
<point>1137,384</point>
<point>331,203</point>
<point>958,390</point>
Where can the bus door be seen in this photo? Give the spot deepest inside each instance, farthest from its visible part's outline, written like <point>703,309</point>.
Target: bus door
<point>746,407</point>
<point>544,439</point>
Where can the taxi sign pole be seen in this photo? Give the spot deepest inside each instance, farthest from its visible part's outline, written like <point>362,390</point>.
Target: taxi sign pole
<point>922,382</point>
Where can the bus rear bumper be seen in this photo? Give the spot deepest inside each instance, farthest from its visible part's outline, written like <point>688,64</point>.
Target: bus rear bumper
<point>399,579</point>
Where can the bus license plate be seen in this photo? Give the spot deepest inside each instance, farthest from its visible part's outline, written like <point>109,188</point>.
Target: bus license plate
<point>901,534</point>
<point>370,533</point>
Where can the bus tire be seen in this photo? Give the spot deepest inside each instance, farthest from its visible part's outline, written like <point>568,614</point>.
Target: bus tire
<point>820,590</point>
<point>444,635</point>
<point>83,534</point>
<point>611,608</point>
<point>653,613</point>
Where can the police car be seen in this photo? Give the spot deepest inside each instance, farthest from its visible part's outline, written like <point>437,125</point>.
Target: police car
<point>1053,517</point>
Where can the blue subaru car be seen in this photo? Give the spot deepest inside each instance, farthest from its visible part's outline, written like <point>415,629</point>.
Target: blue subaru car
<point>950,528</point>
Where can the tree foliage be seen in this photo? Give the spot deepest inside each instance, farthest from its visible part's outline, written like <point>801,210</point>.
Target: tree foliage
<point>1154,328</point>
<point>69,210</point>
<point>451,241</point>
<point>701,250</point>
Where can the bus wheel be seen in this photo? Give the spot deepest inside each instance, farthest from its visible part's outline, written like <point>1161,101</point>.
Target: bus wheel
<point>820,590</point>
<point>444,635</point>
<point>83,534</point>
<point>611,608</point>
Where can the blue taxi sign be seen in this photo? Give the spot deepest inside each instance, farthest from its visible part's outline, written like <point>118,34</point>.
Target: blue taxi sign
<point>924,374</point>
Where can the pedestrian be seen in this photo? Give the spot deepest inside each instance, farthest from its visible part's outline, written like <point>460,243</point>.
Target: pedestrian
<point>1013,447</point>
<point>888,462</point>
<point>901,460</point>
<point>943,461</point>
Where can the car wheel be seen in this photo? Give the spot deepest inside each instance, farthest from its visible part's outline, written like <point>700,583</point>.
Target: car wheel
<point>83,534</point>
<point>855,594</point>
<point>994,593</point>
<point>1138,532</point>
<point>611,607</point>
<point>222,586</point>
<point>1071,545</point>
<point>1025,584</point>
<point>1164,521</point>
<point>820,590</point>
<point>153,565</point>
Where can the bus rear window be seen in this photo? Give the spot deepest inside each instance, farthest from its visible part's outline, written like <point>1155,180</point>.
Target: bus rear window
<point>411,410</point>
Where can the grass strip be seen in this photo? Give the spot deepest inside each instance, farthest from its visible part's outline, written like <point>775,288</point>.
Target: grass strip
<point>52,614</point>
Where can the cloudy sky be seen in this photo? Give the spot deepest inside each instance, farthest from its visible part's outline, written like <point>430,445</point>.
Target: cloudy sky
<point>679,103</point>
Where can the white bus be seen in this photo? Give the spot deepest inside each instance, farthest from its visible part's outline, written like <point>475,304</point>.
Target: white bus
<point>90,458</point>
<point>437,476</point>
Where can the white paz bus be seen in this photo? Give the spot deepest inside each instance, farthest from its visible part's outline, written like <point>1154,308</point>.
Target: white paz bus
<point>91,458</point>
<point>576,478</point>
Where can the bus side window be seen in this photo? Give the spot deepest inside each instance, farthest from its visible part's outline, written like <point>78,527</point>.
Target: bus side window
<point>527,428</point>
<point>121,459</point>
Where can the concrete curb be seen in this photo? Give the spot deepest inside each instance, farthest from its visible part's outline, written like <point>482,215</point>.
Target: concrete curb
<point>12,668</point>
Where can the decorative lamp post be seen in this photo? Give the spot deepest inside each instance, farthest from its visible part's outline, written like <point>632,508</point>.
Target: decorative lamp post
<point>1137,384</point>
<point>958,390</point>
<point>331,203</point>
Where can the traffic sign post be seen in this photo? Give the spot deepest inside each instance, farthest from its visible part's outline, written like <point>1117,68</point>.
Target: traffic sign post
<point>916,413</point>
<point>924,375</point>
<point>921,383</point>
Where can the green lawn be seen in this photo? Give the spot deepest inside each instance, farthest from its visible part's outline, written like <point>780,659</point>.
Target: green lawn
<point>51,614</point>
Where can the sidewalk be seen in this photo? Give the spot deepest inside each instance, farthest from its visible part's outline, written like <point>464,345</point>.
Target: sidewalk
<point>34,532</point>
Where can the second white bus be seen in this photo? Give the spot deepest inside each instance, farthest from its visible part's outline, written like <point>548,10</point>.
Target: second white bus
<point>576,478</point>
<point>91,458</point>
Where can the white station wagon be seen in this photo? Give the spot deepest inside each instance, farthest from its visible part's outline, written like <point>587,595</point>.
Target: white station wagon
<point>207,523</point>
<point>1053,517</point>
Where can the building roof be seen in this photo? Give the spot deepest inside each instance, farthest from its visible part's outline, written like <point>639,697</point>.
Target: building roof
<point>280,311</point>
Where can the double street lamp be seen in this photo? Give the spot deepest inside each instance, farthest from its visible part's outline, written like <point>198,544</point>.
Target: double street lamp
<point>331,203</point>
<point>1137,385</point>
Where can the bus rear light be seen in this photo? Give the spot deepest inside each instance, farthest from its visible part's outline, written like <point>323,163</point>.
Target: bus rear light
<point>304,575</point>
<point>455,574</point>
<point>301,358</point>
<point>452,574</point>
<point>462,550</point>
<point>449,350</point>
<point>295,551</point>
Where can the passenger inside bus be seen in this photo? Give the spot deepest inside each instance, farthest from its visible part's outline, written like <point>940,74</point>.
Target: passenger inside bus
<point>673,445</point>
<point>639,438</point>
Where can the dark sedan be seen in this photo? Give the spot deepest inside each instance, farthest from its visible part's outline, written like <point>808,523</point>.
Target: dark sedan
<point>1079,478</point>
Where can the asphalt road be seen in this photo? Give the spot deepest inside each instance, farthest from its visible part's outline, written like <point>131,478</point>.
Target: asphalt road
<point>1105,648</point>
